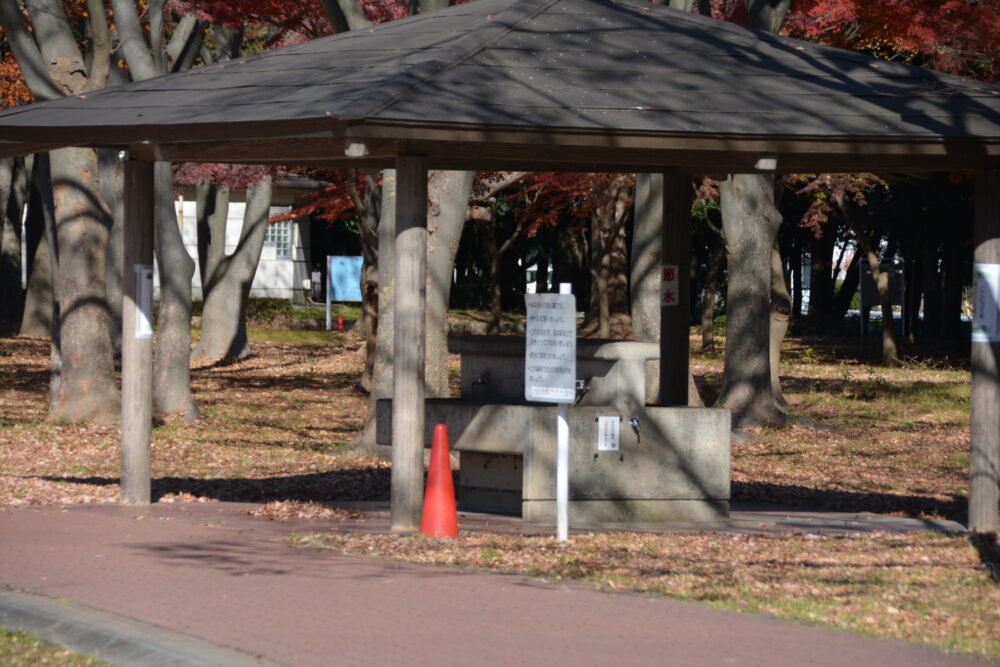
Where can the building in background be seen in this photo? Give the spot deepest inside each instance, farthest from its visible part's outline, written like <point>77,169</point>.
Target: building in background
<point>284,268</point>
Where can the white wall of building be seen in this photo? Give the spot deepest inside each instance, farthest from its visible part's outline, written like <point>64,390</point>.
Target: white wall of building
<point>283,270</point>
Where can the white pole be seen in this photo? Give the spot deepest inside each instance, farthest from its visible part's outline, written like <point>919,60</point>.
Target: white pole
<point>562,473</point>
<point>24,248</point>
<point>562,459</point>
<point>326,290</point>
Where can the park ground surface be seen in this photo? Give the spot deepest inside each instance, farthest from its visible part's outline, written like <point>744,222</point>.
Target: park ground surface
<point>276,429</point>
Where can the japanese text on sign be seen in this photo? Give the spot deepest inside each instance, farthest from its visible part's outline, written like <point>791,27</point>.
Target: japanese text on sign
<point>669,292</point>
<point>608,432</point>
<point>550,348</point>
<point>986,304</point>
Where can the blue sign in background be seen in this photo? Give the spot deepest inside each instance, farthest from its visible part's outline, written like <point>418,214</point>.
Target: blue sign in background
<point>345,278</point>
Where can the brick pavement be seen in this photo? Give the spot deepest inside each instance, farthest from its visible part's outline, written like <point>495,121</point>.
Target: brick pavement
<point>210,573</point>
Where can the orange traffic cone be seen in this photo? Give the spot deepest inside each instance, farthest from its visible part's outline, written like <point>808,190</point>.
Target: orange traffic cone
<point>440,518</point>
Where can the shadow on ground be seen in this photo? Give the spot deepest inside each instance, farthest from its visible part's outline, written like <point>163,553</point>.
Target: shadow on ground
<point>373,484</point>
<point>794,495</point>
<point>365,484</point>
<point>988,548</point>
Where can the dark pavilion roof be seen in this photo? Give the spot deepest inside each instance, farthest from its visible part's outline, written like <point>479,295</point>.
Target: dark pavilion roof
<point>575,84</point>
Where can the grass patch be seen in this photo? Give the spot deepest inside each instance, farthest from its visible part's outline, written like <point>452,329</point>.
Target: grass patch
<point>18,649</point>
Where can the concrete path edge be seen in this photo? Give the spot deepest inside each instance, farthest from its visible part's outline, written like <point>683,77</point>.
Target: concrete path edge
<point>111,638</point>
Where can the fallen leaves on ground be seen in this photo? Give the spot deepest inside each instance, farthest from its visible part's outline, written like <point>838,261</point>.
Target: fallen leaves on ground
<point>923,587</point>
<point>292,509</point>
<point>274,427</point>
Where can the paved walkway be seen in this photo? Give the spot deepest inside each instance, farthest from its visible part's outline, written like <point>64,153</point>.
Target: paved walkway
<point>206,584</point>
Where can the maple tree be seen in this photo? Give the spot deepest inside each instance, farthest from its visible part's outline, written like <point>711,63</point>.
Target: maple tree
<point>955,36</point>
<point>13,90</point>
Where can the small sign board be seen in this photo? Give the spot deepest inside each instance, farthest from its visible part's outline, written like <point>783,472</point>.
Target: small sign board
<point>669,286</point>
<point>550,348</point>
<point>608,432</point>
<point>869,290</point>
<point>345,278</point>
<point>143,300</point>
<point>986,304</point>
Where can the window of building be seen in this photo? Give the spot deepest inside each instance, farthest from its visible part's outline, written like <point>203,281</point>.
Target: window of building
<point>279,234</point>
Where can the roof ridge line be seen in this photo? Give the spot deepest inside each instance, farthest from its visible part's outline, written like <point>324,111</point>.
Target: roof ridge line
<point>522,10</point>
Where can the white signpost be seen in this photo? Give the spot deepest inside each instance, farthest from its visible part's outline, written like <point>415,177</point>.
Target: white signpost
<point>550,376</point>
<point>144,300</point>
<point>986,304</point>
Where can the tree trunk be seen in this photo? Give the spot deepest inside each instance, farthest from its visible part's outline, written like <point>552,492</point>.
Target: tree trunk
<point>112,192</point>
<point>172,360</point>
<point>112,186</point>
<point>781,311</point>
<point>848,288</point>
<point>711,293</point>
<point>369,308</point>
<point>448,201</point>
<point>37,317</point>
<point>750,222</point>
<point>382,376</point>
<point>542,275</point>
<point>913,294</point>
<point>932,291</point>
<point>488,233</point>
<point>380,351</point>
<point>890,355</point>
<point>796,273</point>
<point>951,294</point>
<point>608,261</point>
<point>87,389</point>
<point>12,197</point>
<point>227,278</point>
<point>42,187</point>
<point>821,274</point>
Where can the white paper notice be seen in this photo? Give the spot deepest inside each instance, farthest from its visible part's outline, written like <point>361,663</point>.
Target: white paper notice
<point>550,348</point>
<point>669,286</point>
<point>986,303</point>
<point>608,430</point>
<point>143,300</point>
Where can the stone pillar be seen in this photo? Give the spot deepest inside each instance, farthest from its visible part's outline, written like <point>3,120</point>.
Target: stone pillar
<point>408,343</point>
<point>137,334</point>
<point>675,296</point>
<point>984,459</point>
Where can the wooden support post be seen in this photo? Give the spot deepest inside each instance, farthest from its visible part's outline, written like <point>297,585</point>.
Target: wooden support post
<point>675,291</point>
<point>984,481</point>
<point>137,333</point>
<point>408,343</point>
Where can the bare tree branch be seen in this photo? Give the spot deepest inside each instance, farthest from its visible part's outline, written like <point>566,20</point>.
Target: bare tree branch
<point>51,30</point>
<point>185,43</point>
<point>101,39</point>
<point>29,58</point>
<point>488,189</point>
<point>156,37</point>
<point>132,42</point>
<point>345,15</point>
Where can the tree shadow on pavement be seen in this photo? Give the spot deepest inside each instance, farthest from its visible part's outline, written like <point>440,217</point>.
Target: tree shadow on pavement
<point>364,484</point>
<point>988,549</point>
<point>794,495</point>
